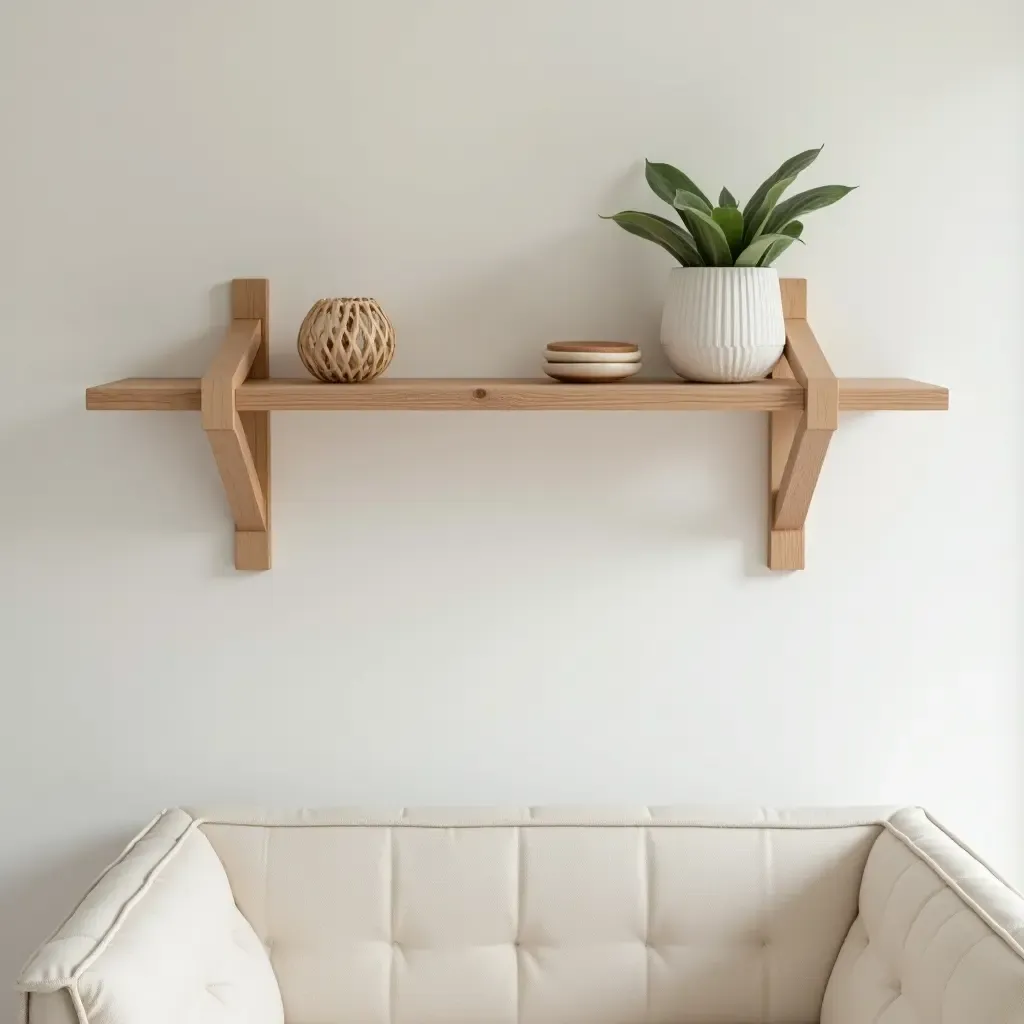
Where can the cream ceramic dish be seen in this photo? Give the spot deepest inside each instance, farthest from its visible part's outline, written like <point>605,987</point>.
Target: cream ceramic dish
<point>554,356</point>
<point>592,373</point>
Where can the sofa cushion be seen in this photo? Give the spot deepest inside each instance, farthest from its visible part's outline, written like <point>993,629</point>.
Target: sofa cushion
<point>545,916</point>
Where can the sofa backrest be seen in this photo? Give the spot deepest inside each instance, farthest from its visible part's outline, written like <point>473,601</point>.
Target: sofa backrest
<point>549,916</point>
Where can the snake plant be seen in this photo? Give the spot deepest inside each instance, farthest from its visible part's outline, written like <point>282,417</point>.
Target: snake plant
<point>724,235</point>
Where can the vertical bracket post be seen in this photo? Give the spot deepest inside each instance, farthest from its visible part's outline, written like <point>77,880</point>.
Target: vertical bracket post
<point>799,440</point>
<point>241,441</point>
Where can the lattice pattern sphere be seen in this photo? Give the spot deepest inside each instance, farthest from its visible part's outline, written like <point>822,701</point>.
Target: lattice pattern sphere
<point>346,340</point>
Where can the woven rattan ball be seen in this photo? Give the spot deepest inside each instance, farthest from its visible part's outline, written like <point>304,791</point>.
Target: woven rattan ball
<point>346,340</point>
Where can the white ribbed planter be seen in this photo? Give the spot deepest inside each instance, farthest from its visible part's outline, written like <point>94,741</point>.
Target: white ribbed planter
<point>723,324</point>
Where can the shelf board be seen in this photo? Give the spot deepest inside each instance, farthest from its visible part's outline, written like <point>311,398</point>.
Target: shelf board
<point>897,394</point>
<point>182,394</point>
<point>146,394</point>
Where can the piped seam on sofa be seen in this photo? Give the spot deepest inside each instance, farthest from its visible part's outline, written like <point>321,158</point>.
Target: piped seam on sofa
<point>133,901</point>
<point>996,927</point>
<point>970,852</point>
<point>764,826</point>
<point>70,981</point>
<point>65,982</point>
<point>76,1001</point>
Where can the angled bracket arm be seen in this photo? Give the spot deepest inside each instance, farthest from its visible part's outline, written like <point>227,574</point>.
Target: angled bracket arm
<point>799,440</point>
<point>241,441</point>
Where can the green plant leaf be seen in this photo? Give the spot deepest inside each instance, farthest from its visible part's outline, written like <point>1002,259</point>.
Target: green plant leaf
<point>710,238</point>
<point>670,236</point>
<point>756,251</point>
<point>726,198</point>
<point>807,202</point>
<point>685,200</point>
<point>756,224</point>
<point>793,230</point>
<point>790,169</point>
<point>775,251</point>
<point>711,242</point>
<point>666,180</point>
<point>730,220</point>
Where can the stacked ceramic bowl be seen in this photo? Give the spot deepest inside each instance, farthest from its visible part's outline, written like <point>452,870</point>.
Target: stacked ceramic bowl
<point>591,362</point>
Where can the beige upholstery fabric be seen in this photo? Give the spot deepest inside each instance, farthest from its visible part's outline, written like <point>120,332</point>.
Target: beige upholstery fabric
<point>51,1007</point>
<point>528,916</point>
<point>937,938</point>
<point>550,917</point>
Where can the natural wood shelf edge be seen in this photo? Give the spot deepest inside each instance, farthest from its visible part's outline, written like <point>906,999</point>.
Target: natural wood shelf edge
<point>803,398</point>
<point>391,394</point>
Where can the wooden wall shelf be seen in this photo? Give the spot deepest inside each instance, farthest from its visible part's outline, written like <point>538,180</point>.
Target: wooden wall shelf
<point>236,397</point>
<point>388,394</point>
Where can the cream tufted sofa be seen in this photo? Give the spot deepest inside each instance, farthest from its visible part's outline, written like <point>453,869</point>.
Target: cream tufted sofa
<point>538,916</point>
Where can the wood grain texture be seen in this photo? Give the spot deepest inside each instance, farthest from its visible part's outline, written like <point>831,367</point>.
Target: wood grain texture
<point>895,394</point>
<point>811,369</point>
<point>800,478</point>
<point>182,394</point>
<point>623,347</point>
<point>253,547</point>
<point>518,395</point>
<point>251,299</point>
<point>229,368</point>
<point>252,550</point>
<point>785,547</point>
<point>239,475</point>
<point>145,394</point>
<point>229,440</point>
<point>786,550</point>
<point>794,297</point>
<point>814,428</point>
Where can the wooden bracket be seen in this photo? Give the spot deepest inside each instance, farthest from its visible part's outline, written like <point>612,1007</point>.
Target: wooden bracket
<point>241,441</point>
<point>798,440</point>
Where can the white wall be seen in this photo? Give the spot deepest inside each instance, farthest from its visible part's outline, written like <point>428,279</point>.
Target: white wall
<point>496,608</point>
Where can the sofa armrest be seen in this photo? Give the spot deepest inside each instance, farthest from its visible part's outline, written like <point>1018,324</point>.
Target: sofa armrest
<point>938,936</point>
<point>157,940</point>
